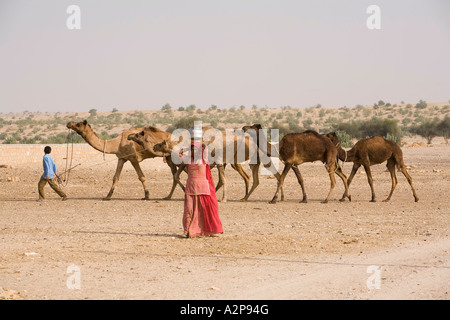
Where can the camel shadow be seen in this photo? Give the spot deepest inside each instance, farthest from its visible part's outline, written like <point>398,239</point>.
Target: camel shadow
<point>78,199</point>
<point>164,235</point>
<point>162,200</point>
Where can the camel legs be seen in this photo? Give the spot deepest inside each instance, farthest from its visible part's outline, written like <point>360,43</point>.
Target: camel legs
<point>277,175</point>
<point>300,181</point>
<point>141,176</point>
<point>330,170</point>
<point>119,168</point>
<point>222,181</point>
<point>271,167</point>
<point>391,167</point>
<point>175,177</point>
<point>244,176</point>
<point>370,180</point>
<point>255,176</point>
<point>408,177</point>
<point>350,178</point>
<point>286,169</point>
<point>345,181</point>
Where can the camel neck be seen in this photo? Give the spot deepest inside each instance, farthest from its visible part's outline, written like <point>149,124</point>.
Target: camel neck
<point>106,146</point>
<point>263,144</point>
<point>347,156</point>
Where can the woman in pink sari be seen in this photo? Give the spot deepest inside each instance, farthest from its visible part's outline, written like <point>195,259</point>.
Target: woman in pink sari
<point>201,209</point>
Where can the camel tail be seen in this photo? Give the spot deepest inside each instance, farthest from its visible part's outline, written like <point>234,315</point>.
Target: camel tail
<point>280,144</point>
<point>398,156</point>
<point>337,161</point>
<point>280,148</point>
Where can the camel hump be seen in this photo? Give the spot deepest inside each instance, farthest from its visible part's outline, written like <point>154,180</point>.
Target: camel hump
<point>311,131</point>
<point>382,141</point>
<point>297,135</point>
<point>380,138</point>
<point>306,132</point>
<point>326,140</point>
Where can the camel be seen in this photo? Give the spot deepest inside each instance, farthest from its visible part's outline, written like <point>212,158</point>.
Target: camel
<point>309,146</point>
<point>370,151</point>
<point>125,150</point>
<point>264,147</point>
<point>167,146</point>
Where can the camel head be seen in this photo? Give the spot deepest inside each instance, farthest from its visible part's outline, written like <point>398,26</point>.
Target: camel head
<point>333,137</point>
<point>82,127</point>
<point>255,127</point>
<point>165,147</point>
<point>147,140</point>
<point>139,138</point>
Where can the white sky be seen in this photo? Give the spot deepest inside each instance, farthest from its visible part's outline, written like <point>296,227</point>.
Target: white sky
<point>142,54</point>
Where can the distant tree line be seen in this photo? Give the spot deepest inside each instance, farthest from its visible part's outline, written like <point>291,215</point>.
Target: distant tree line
<point>430,129</point>
<point>348,123</point>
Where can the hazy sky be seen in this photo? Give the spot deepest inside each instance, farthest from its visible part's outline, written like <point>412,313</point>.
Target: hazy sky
<point>142,54</point>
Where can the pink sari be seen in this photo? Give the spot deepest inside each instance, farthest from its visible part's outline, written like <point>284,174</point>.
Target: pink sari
<point>201,211</point>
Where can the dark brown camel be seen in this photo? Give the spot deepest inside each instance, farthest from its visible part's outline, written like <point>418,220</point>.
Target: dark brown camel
<point>374,150</point>
<point>309,146</point>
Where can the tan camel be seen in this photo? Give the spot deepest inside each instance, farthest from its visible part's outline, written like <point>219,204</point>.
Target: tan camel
<point>125,150</point>
<point>309,146</point>
<point>218,152</point>
<point>374,150</point>
<point>214,146</point>
<point>263,148</point>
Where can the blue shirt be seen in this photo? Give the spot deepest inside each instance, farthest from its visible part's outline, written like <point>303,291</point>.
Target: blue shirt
<point>49,167</point>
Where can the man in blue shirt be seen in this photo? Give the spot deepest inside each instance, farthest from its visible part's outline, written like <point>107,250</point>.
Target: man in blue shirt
<point>49,173</point>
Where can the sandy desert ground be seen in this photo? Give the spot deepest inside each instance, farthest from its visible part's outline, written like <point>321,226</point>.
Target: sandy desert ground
<point>127,248</point>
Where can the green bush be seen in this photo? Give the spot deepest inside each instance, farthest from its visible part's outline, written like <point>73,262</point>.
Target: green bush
<point>421,104</point>
<point>344,139</point>
<point>307,123</point>
<point>381,127</point>
<point>282,130</point>
<point>428,129</point>
<point>392,138</point>
<point>443,128</point>
<point>183,123</point>
<point>374,127</point>
<point>166,108</point>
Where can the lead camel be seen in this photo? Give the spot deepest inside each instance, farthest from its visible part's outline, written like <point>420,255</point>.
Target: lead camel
<point>125,150</point>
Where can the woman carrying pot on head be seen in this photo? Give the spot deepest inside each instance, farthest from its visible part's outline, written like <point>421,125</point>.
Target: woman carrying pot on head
<point>201,209</point>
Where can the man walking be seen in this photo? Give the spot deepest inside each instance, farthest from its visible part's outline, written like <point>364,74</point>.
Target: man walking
<point>49,172</point>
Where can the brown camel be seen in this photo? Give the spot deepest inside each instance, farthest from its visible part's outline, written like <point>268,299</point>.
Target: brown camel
<point>309,146</point>
<point>125,150</point>
<point>263,148</point>
<point>214,146</point>
<point>374,150</point>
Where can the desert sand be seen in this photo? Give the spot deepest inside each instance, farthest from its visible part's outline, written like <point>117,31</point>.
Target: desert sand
<point>127,248</point>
